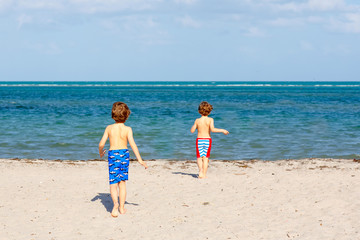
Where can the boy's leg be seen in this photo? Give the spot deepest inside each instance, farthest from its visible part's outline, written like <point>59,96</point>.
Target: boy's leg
<point>122,186</point>
<point>200,165</point>
<point>205,166</point>
<point>114,195</point>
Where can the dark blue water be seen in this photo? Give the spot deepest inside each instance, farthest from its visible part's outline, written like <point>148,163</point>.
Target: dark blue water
<point>266,120</point>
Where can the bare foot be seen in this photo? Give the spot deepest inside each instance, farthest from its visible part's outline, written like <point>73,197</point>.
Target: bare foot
<point>122,211</point>
<point>201,175</point>
<point>115,212</point>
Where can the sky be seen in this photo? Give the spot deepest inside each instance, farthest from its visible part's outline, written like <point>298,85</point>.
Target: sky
<point>179,40</point>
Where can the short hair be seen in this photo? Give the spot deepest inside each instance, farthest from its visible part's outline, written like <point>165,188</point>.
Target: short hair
<point>120,112</point>
<point>205,108</point>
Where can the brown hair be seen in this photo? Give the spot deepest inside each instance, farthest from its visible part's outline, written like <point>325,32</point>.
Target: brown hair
<point>205,108</point>
<point>120,112</point>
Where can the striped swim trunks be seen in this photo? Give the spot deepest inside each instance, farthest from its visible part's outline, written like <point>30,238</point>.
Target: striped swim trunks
<point>118,165</point>
<point>203,147</point>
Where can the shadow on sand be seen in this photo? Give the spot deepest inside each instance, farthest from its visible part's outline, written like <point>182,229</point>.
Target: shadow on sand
<point>188,174</point>
<point>106,200</point>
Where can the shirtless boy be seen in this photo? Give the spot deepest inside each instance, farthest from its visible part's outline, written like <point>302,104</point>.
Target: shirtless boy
<point>204,126</point>
<point>118,156</point>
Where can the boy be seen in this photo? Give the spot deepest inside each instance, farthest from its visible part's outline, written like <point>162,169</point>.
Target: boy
<point>118,155</point>
<point>204,125</point>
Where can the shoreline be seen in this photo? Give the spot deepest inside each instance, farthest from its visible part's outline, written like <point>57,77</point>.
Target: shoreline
<point>284,199</point>
<point>183,160</point>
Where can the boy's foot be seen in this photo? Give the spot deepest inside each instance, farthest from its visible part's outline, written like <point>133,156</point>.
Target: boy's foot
<point>122,211</point>
<point>201,174</point>
<point>115,212</point>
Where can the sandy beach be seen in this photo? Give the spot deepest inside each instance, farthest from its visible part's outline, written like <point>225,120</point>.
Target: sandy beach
<point>286,199</point>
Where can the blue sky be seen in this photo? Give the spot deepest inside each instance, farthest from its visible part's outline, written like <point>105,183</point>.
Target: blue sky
<point>179,40</point>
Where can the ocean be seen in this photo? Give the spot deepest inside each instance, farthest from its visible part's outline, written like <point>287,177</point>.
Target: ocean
<point>266,120</point>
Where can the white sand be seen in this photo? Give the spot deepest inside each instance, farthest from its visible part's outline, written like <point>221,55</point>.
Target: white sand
<point>294,199</point>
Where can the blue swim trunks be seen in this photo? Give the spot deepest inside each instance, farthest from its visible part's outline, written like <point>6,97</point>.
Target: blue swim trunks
<point>118,165</point>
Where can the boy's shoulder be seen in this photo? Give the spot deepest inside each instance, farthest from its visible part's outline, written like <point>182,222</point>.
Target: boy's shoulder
<point>207,118</point>
<point>198,120</point>
<point>112,125</point>
<point>127,128</point>
<point>204,119</point>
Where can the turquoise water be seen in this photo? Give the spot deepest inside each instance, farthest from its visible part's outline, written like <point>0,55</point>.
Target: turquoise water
<point>266,120</point>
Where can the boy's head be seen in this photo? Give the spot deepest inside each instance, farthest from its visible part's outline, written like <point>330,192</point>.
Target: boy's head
<point>120,112</point>
<point>205,108</point>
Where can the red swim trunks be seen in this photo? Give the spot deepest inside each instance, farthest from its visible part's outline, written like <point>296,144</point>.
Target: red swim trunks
<point>203,147</point>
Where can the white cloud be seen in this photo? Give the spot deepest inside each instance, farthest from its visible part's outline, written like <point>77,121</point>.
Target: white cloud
<point>150,22</point>
<point>325,5</point>
<point>155,38</point>
<point>41,22</point>
<point>23,19</point>
<point>315,19</point>
<point>52,49</point>
<point>350,23</point>
<point>39,4</point>
<point>109,24</point>
<point>187,21</point>
<point>297,21</point>
<point>338,49</point>
<point>129,23</point>
<point>296,7</point>
<point>312,5</point>
<point>254,32</point>
<point>287,22</point>
<point>343,16</point>
<point>4,4</point>
<point>137,28</point>
<point>85,6</point>
<point>236,17</point>
<point>94,6</point>
<point>188,2</point>
<point>306,46</point>
<point>353,23</point>
<point>336,15</point>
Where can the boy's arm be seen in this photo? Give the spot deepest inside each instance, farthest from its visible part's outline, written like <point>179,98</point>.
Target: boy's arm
<point>213,129</point>
<point>193,128</point>
<point>102,143</point>
<point>134,148</point>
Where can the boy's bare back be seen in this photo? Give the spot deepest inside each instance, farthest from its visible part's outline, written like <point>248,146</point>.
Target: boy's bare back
<point>203,125</point>
<point>118,135</point>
